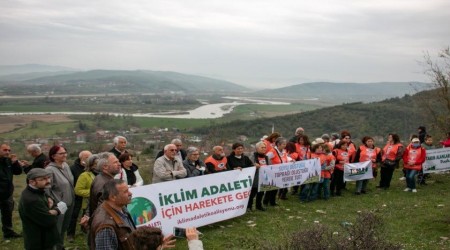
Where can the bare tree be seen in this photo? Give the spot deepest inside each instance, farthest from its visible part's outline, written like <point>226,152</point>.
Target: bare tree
<point>438,107</point>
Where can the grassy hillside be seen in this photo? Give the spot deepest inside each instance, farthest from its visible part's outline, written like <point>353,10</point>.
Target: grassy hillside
<point>398,115</point>
<point>415,221</point>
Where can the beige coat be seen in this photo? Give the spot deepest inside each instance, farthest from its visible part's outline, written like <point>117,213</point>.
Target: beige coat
<point>168,170</point>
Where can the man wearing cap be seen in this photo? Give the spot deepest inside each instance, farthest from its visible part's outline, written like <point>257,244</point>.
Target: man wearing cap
<point>9,166</point>
<point>38,212</point>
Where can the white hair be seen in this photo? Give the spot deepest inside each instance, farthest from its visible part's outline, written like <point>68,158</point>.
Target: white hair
<point>84,152</point>
<point>34,148</point>
<point>167,146</point>
<point>259,144</point>
<point>191,150</point>
<point>117,138</point>
<point>174,141</point>
<point>103,159</point>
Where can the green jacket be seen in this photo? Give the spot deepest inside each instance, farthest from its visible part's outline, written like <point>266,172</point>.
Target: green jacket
<point>83,187</point>
<point>38,225</point>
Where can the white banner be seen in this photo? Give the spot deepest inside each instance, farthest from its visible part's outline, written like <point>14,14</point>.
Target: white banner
<point>358,171</point>
<point>437,160</point>
<point>289,174</point>
<point>192,202</point>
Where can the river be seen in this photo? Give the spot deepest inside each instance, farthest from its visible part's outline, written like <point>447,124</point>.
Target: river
<point>206,111</point>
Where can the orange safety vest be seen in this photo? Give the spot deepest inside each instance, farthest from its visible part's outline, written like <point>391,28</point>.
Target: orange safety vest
<point>415,156</point>
<point>303,151</point>
<point>390,151</point>
<point>278,157</point>
<point>218,165</point>
<point>341,156</point>
<point>269,145</point>
<point>368,154</point>
<point>324,159</point>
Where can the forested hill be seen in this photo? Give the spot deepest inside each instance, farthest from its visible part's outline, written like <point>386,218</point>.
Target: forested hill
<point>346,92</point>
<point>399,115</point>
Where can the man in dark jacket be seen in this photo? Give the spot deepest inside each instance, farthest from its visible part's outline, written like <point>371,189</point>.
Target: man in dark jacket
<point>39,158</point>
<point>38,212</point>
<point>8,168</point>
<point>77,168</point>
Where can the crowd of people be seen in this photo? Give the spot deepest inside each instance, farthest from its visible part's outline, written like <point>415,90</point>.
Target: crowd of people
<point>98,185</point>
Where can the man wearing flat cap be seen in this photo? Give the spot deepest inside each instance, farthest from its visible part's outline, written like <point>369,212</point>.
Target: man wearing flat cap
<point>39,212</point>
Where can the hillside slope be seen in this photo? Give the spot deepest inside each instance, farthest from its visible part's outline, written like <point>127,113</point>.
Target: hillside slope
<point>346,92</point>
<point>398,115</point>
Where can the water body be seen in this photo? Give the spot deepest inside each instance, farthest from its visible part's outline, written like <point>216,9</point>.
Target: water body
<point>207,111</point>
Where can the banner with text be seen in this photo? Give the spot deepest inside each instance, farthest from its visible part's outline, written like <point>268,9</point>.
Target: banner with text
<point>192,202</point>
<point>358,171</point>
<point>437,160</point>
<point>289,174</point>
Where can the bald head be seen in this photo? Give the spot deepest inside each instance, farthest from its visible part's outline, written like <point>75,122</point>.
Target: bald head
<point>84,155</point>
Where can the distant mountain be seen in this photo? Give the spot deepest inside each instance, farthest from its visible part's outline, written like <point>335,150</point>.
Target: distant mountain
<point>32,75</point>
<point>122,81</point>
<point>31,68</point>
<point>346,92</point>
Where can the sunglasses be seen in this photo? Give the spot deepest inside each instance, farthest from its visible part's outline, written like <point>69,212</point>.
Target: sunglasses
<point>6,150</point>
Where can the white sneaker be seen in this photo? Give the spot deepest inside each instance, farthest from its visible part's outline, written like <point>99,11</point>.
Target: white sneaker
<point>407,189</point>
<point>414,190</point>
<point>402,178</point>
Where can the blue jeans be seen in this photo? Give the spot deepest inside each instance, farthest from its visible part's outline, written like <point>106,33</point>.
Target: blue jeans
<point>411,178</point>
<point>309,192</point>
<point>361,185</point>
<point>325,186</point>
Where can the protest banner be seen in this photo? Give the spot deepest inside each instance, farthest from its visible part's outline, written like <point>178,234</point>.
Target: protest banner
<point>358,171</point>
<point>192,202</point>
<point>437,160</point>
<point>290,174</point>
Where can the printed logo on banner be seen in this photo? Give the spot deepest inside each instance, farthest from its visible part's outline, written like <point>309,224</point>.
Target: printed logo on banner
<point>142,210</point>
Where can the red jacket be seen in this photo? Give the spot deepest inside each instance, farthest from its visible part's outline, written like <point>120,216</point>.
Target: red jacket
<point>413,158</point>
<point>446,143</point>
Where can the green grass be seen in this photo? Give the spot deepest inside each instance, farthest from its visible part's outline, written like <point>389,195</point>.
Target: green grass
<point>41,130</point>
<point>416,221</point>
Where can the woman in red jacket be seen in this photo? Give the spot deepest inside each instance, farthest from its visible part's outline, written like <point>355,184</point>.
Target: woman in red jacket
<point>367,152</point>
<point>342,157</point>
<point>413,158</point>
<point>392,154</point>
<point>446,143</point>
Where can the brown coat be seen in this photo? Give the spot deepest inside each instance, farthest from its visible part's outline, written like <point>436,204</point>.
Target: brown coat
<point>106,217</point>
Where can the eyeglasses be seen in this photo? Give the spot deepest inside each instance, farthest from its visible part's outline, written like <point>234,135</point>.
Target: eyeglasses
<point>172,150</point>
<point>6,150</point>
<point>62,153</point>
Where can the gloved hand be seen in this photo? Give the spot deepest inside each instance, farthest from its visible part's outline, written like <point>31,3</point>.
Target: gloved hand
<point>62,207</point>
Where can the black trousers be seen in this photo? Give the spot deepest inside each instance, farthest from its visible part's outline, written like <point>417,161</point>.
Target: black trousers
<point>337,181</point>
<point>76,212</point>
<point>6,208</point>
<point>386,173</point>
<point>270,197</point>
<point>259,197</point>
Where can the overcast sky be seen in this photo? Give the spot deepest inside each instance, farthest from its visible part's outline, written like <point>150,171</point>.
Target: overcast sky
<point>258,43</point>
